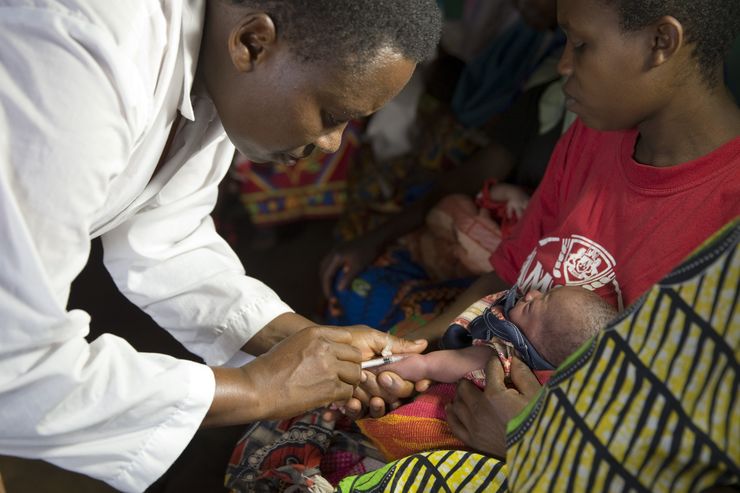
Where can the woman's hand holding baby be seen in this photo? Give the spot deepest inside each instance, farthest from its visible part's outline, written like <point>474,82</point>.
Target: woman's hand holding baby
<point>479,418</point>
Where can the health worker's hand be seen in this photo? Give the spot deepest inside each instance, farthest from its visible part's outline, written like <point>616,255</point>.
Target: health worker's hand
<point>312,368</point>
<point>377,394</point>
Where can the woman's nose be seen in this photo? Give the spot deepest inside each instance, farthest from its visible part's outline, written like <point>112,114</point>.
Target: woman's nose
<point>565,65</point>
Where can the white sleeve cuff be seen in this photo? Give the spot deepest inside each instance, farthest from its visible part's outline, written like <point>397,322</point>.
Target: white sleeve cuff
<point>171,437</point>
<point>242,326</point>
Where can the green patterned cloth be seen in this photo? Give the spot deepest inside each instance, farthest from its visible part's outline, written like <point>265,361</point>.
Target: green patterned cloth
<point>649,405</point>
<point>449,471</point>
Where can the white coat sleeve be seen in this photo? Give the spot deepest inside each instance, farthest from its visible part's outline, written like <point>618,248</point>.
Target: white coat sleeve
<point>169,260</point>
<point>99,408</point>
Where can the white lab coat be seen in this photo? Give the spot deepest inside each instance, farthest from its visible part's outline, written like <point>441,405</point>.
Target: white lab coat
<point>88,92</point>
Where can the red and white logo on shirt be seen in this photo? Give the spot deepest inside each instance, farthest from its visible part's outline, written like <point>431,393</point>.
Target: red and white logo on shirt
<point>575,261</point>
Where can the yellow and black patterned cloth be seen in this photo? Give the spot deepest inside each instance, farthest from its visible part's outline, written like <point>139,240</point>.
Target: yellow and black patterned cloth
<point>650,404</point>
<point>449,471</point>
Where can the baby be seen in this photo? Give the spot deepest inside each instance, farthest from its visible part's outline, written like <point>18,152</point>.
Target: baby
<point>542,329</point>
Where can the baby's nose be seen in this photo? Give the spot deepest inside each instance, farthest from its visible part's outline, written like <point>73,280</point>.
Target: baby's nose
<point>531,295</point>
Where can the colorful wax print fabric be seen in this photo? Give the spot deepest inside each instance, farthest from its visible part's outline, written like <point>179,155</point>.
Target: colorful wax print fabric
<point>649,405</point>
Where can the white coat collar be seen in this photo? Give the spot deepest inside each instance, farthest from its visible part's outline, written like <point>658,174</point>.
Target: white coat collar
<point>193,17</point>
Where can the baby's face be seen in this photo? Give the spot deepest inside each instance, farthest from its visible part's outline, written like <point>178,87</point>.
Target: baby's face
<point>529,312</point>
<point>532,311</point>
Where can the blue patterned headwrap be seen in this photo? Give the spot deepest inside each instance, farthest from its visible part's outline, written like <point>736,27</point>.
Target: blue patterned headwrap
<point>487,326</point>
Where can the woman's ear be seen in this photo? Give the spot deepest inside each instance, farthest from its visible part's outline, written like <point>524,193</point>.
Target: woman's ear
<point>251,40</point>
<point>668,38</point>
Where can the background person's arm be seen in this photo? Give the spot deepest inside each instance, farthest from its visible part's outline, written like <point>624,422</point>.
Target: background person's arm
<point>493,161</point>
<point>486,284</point>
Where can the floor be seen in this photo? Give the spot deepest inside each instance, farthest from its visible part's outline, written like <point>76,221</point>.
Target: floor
<point>286,258</point>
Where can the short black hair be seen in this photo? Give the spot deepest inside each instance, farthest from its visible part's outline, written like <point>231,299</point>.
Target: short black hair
<point>568,327</point>
<point>355,30</point>
<point>710,25</point>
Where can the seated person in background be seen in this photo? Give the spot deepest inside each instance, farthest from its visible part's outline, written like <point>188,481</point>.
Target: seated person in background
<point>460,233</point>
<point>427,268</point>
<point>516,146</point>
<point>541,329</point>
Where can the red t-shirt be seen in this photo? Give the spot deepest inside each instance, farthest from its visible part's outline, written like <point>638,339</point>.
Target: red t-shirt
<point>603,221</point>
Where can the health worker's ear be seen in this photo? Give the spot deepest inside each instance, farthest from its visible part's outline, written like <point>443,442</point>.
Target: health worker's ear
<point>668,38</point>
<point>251,40</point>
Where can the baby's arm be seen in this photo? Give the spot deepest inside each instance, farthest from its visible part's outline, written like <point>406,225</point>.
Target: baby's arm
<point>446,366</point>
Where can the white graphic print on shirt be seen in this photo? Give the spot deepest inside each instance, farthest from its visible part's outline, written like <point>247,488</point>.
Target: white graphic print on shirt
<point>575,261</point>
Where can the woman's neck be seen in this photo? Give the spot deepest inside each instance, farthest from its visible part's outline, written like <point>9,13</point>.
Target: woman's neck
<point>696,123</point>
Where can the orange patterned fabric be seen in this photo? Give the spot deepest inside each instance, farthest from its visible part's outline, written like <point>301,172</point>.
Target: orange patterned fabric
<point>418,426</point>
<point>421,425</point>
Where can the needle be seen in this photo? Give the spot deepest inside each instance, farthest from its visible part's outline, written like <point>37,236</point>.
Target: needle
<point>371,363</point>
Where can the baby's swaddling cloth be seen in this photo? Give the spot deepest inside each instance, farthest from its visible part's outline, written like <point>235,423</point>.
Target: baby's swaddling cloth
<point>421,425</point>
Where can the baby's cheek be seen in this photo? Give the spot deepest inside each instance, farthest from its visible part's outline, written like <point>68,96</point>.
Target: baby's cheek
<point>535,334</point>
<point>517,317</point>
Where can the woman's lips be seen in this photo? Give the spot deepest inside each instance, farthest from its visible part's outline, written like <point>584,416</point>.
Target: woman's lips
<point>570,101</point>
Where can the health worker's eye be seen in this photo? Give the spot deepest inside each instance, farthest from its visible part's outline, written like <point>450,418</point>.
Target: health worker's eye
<point>331,121</point>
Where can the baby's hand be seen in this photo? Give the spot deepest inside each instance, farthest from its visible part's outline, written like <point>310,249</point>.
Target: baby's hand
<point>384,386</point>
<point>515,197</point>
